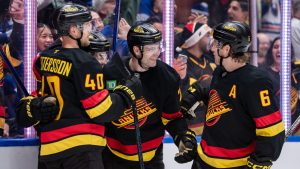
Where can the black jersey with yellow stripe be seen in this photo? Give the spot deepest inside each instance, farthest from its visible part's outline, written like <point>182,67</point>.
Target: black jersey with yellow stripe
<point>75,78</point>
<point>158,110</point>
<point>242,120</point>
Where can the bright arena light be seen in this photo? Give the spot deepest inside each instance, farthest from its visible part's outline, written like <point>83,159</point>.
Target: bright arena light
<point>285,53</point>
<point>29,51</point>
<point>168,32</point>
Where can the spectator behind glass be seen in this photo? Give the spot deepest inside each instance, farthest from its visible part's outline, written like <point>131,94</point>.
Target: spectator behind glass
<point>145,10</point>
<point>264,44</point>
<point>296,30</point>
<point>150,8</point>
<point>5,22</point>
<point>121,45</point>
<point>270,18</point>
<point>156,21</point>
<point>44,37</point>
<point>273,65</point>
<point>199,68</point>
<point>273,70</point>
<point>106,9</point>
<point>238,11</point>
<point>96,20</point>
<point>199,13</point>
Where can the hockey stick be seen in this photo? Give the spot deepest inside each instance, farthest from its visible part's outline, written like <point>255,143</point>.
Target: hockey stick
<point>116,24</point>
<point>115,69</point>
<point>138,133</point>
<point>293,127</point>
<point>134,110</point>
<point>14,73</point>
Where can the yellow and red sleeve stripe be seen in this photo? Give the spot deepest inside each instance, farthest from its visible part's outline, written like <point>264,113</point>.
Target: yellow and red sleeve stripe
<point>57,141</point>
<point>167,117</point>
<point>130,152</point>
<point>221,162</point>
<point>269,125</point>
<point>97,104</point>
<point>54,135</point>
<point>221,152</point>
<point>2,117</point>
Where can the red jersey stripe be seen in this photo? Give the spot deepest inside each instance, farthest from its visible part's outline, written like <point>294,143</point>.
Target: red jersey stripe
<point>171,116</point>
<point>58,134</point>
<point>268,119</point>
<point>35,71</point>
<point>2,111</point>
<point>94,99</point>
<point>132,149</point>
<point>225,152</point>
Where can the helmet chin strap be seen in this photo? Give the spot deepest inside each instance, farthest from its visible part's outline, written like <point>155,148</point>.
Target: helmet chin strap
<point>222,57</point>
<point>77,39</point>
<point>140,59</point>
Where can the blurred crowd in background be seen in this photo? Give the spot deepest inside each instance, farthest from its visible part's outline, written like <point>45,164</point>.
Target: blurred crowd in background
<point>191,17</point>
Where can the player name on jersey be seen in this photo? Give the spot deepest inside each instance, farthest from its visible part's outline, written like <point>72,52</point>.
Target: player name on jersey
<point>53,65</point>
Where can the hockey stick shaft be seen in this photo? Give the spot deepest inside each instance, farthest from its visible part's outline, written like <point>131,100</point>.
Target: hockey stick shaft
<point>293,127</point>
<point>116,25</point>
<point>138,136</point>
<point>14,73</point>
<point>138,133</point>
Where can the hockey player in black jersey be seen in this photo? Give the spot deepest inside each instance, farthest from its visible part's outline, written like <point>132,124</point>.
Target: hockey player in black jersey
<point>158,110</point>
<point>72,132</point>
<point>99,47</point>
<point>243,127</point>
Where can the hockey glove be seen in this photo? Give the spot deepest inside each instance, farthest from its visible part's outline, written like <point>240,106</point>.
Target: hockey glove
<point>191,99</point>
<point>39,109</point>
<point>187,145</point>
<point>253,164</point>
<point>130,91</point>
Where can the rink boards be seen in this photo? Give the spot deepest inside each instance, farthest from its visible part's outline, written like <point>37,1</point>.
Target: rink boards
<point>22,154</point>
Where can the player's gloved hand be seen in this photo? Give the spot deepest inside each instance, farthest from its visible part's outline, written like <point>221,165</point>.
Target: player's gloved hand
<point>131,90</point>
<point>187,145</point>
<point>254,164</point>
<point>191,99</point>
<point>45,108</point>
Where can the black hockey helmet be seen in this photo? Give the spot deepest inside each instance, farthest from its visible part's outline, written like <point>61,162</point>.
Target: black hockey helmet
<point>234,33</point>
<point>70,14</point>
<point>98,43</point>
<point>142,34</point>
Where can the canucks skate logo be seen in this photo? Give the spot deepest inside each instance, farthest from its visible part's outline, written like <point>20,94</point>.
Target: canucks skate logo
<point>70,9</point>
<point>229,27</point>
<point>216,108</point>
<point>144,109</point>
<point>138,29</point>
